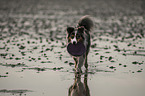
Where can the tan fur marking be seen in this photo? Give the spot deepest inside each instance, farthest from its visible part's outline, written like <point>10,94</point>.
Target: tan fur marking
<point>80,39</point>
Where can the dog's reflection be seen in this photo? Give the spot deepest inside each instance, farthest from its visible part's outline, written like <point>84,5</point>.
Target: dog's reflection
<point>79,88</point>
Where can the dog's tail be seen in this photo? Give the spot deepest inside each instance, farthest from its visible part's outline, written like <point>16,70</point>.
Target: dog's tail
<point>87,22</point>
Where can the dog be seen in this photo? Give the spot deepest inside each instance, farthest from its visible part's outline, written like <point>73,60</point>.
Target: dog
<point>81,33</point>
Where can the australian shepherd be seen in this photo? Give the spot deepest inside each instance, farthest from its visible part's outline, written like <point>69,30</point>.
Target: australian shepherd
<point>81,33</point>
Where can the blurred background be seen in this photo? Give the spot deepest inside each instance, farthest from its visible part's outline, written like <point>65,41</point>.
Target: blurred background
<point>45,16</point>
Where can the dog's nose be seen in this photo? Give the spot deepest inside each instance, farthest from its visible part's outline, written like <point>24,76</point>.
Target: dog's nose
<point>74,42</point>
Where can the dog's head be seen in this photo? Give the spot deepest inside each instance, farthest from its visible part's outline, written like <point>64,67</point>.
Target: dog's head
<point>75,35</point>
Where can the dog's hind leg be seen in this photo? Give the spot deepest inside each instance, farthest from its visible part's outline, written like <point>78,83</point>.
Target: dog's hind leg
<point>86,62</point>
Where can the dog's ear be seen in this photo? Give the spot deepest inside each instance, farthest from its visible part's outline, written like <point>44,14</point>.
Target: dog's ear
<point>70,29</point>
<point>81,29</point>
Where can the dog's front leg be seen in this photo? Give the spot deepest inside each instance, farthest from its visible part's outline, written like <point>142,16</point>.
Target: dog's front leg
<point>76,61</point>
<point>81,61</point>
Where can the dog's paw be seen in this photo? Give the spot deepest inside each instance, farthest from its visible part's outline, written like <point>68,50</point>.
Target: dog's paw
<point>78,71</point>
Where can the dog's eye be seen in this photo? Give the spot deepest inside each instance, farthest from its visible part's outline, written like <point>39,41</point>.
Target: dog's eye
<point>78,36</point>
<point>72,36</point>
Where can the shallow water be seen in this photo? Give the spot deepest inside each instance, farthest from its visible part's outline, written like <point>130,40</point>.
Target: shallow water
<point>34,60</point>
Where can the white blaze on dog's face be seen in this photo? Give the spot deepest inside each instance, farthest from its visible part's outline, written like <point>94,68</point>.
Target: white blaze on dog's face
<point>73,38</point>
<point>75,35</point>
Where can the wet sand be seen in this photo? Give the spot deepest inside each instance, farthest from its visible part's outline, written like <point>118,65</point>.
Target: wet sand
<point>33,56</point>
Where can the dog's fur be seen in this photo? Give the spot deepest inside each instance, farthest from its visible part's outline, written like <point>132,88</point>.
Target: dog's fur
<point>81,33</point>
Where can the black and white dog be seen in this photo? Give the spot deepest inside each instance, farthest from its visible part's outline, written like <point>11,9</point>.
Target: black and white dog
<point>81,33</point>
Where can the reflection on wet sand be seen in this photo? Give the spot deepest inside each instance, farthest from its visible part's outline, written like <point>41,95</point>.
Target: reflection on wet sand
<point>79,88</point>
